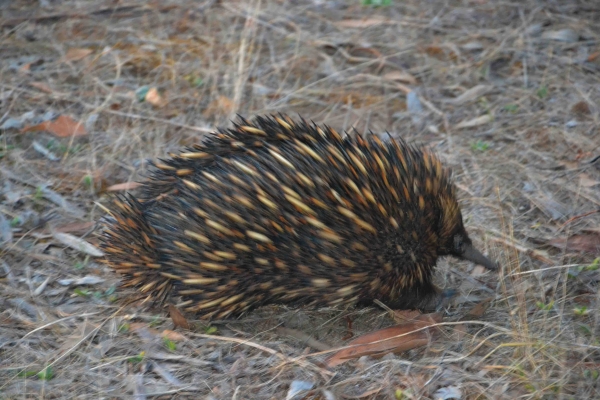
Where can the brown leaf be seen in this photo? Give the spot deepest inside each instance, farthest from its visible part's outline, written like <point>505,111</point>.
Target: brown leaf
<point>439,52</point>
<point>178,318</point>
<point>479,309</point>
<point>395,339</point>
<point>141,325</point>
<point>154,98</point>
<point>405,315</point>
<point>361,23</point>
<point>76,54</point>
<point>41,86</point>
<point>401,77</point>
<point>593,56</point>
<point>123,186</point>
<point>75,227</point>
<point>460,330</point>
<point>221,105</point>
<point>172,335</point>
<point>581,108</point>
<point>588,243</point>
<point>25,68</point>
<point>581,155</point>
<point>63,126</point>
<point>357,53</point>
<point>142,330</point>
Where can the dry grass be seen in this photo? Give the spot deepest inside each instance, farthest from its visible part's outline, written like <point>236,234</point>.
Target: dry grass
<point>524,171</point>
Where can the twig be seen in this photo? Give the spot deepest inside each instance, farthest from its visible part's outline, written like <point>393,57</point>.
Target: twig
<point>303,337</point>
<point>244,342</point>
<point>578,217</point>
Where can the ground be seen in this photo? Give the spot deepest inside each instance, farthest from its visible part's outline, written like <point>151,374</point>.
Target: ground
<point>506,92</point>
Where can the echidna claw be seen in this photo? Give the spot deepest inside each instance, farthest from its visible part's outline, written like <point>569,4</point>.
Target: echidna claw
<point>445,298</point>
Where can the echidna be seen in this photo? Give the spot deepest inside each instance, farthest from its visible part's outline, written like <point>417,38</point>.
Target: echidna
<point>282,211</point>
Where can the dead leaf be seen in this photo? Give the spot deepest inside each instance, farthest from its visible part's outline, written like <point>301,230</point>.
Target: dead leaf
<point>365,52</point>
<point>401,77</point>
<point>581,155</point>
<point>123,186</point>
<point>448,392</point>
<point>43,150</point>
<point>586,181</point>
<point>472,46</point>
<point>164,371</point>
<point>471,94</point>
<point>172,335</point>
<point>439,52</point>
<point>593,56</point>
<point>142,330</point>
<point>434,50</point>
<point>63,126</point>
<point>138,325</point>
<point>395,339</point>
<point>474,313</point>
<point>71,342</point>
<point>405,315</point>
<point>479,309</point>
<point>154,98</point>
<point>568,164</point>
<point>178,318</point>
<point>77,244</point>
<point>76,54</point>
<point>588,243</point>
<point>562,35</point>
<point>481,120</point>
<point>24,69</point>
<point>41,86</point>
<point>595,230</point>
<point>361,23</point>
<point>548,205</point>
<point>75,227</point>
<point>221,105</point>
<point>60,201</point>
<point>86,280</point>
<point>460,331</point>
<point>581,108</point>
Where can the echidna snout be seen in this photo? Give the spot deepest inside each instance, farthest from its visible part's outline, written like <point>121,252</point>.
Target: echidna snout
<point>463,248</point>
<point>454,239</point>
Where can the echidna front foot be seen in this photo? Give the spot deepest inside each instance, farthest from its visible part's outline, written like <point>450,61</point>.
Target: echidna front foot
<point>445,298</point>
<point>437,299</point>
<point>426,298</point>
<point>434,299</point>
